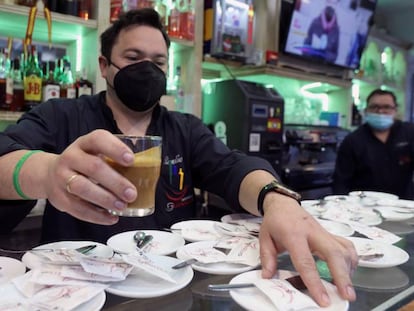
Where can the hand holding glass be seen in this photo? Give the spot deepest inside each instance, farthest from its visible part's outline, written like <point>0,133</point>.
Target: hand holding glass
<point>144,173</point>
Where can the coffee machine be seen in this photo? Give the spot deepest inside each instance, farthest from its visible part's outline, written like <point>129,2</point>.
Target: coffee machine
<point>247,116</point>
<point>309,158</point>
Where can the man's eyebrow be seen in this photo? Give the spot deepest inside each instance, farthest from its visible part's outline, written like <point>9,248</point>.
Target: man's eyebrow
<point>140,52</point>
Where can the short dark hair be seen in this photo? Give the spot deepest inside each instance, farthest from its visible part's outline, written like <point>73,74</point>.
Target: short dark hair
<point>382,92</point>
<point>146,17</point>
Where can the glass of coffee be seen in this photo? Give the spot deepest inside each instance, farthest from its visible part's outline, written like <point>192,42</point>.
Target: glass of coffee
<point>144,173</point>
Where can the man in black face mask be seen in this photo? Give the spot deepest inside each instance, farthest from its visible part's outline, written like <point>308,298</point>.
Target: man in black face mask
<point>81,187</point>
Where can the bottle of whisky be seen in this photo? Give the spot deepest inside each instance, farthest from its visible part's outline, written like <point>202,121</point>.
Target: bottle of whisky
<point>84,86</point>
<point>32,81</point>
<point>3,78</point>
<point>18,89</point>
<point>51,89</point>
<point>9,81</point>
<point>67,86</point>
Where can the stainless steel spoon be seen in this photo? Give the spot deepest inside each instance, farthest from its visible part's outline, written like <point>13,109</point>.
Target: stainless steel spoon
<point>139,236</point>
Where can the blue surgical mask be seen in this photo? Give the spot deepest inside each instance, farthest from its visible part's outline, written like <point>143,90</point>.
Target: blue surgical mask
<point>379,121</point>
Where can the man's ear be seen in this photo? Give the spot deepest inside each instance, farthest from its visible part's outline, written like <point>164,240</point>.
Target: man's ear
<point>103,65</point>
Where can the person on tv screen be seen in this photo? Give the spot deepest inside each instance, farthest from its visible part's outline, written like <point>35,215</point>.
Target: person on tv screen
<point>322,38</point>
<point>379,155</point>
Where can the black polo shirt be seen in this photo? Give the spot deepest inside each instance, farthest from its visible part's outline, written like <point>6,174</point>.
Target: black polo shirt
<point>366,163</point>
<point>189,150</point>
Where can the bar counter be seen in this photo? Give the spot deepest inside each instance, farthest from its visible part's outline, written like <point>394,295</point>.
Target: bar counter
<point>374,286</point>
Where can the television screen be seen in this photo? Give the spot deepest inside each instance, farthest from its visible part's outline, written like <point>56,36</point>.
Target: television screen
<point>331,31</point>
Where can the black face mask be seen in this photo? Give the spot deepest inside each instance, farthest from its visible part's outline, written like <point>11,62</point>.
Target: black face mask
<point>140,86</point>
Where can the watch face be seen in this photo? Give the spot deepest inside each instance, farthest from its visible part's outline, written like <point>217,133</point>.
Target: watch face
<point>284,190</point>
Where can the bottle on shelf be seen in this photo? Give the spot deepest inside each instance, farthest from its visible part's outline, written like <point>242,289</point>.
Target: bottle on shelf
<point>58,71</point>
<point>7,2</point>
<point>177,90</point>
<point>52,5</point>
<point>32,80</point>
<point>184,9</point>
<point>189,33</point>
<point>140,4</point>
<point>115,10</point>
<point>9,81</point>
<point>27,2</point>
<point>85,9</point>
<point>18,89</point>
<point>161,8</point>
<point>174,21</point>
<point>3,78</point>
<point>69,7</point>
<point>84,86</point>
<point>67,87</point>
<point>51,88</point>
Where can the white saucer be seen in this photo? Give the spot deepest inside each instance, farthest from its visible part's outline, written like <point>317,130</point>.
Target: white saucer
<point>393,255</point>
<point>253,299</point>
<point>211,268</point>
<point>336,228</point>
<point>163,243</point>
<point>394,213</point>
<point>32,261</point>
<point>374,195</point>
<point>10,292</point>
<point>197,230</point>
<point>10,268</point>
<point>145,285</point>
<point>239,218</point>
<point>341,198</point>
<point>313,207</point>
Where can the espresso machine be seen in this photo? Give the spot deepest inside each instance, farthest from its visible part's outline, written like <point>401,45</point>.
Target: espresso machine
<point>309,158</point>
<point>247,116</point>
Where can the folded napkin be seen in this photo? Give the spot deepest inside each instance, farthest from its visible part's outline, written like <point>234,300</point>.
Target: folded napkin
<point>140,261</point>
<point>375,233</point>
<point>284,296</point>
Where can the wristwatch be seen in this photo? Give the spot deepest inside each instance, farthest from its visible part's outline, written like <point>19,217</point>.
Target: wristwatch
<point>275,186</point>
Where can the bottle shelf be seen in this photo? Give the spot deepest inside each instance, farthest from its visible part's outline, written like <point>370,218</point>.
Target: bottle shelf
<point>10,115</point>
<point>224,69</point>
<point>65,28</point>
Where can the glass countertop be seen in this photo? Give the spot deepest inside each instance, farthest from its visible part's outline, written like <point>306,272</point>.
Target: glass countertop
<point>374,286</point>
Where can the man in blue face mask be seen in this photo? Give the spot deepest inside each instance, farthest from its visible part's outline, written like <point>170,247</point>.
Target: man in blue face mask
<point>379,155</point>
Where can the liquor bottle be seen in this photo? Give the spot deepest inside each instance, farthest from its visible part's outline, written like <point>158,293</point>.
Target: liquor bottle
<point>189,35</point>
<point>84,86</point>
<point>9,81</point>
<point>27,2</point>
<point>130,5</point>
<point>67,87</point>
<point>174,21</point>
<point>3,77</point>
<point>51,89</point>
<point>116,9</point>
<point>18,89</point>
<point>85,9</point>
<point>187,15</point>
<point>140,4</point>
<point>52,5</point>
<point>182,26</point>
<point>58,71</point>
<point>32,81</point>
<point>161,8</point>
<point>69,7</point>
<point>179,90</point>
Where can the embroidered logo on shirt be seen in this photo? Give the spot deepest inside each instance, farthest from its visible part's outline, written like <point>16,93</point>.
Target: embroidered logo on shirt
<point>179,199</point>
<point>178,193</point>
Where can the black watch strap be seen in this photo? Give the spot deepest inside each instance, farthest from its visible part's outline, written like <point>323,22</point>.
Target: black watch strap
<point>275,186</point>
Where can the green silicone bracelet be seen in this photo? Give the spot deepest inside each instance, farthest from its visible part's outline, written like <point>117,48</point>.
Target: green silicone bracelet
<point>16,173</point>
